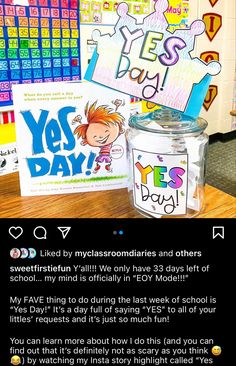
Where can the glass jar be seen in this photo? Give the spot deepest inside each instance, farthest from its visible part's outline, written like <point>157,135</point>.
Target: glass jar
<point>167,160</point>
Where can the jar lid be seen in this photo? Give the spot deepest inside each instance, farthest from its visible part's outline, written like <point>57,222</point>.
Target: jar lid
<point>167,121</point>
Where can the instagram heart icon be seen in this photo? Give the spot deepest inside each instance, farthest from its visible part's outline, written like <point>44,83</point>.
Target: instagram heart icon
<point>15,231</point>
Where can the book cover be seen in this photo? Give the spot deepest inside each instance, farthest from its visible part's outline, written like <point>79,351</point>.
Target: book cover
<point>70,137</point>
<point>8,153</point>
<point>8,159</point>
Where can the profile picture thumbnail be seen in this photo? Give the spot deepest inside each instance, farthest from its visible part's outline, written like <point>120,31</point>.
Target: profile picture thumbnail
<point>24,253</point>
<point>15,253</point>
<point>32,253</point>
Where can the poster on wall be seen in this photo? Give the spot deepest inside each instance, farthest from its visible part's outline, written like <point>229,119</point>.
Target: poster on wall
<point>208,56</point>
<point>177,14</point>
<point>210,97</point>
<point>213,2</point>
<point>104,11</point>
<point>39,42</point>
<point>70,137</point>
<point>213,23</point>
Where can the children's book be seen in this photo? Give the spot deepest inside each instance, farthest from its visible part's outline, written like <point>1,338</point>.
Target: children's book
<point>70,137</point>
<point>8,153</point>
<point>8,159</point>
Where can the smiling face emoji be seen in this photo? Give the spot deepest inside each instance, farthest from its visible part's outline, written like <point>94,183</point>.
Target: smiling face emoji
<point>216,350</point>
<point>99,134</point>
<point>15,360</point>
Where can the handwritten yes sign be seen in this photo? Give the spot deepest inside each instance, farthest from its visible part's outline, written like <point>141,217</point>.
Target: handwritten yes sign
<point>147,61</point>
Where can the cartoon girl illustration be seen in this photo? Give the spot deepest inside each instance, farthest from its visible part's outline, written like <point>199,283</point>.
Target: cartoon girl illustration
<point>102,129</point>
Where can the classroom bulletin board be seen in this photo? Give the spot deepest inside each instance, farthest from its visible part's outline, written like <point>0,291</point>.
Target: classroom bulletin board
<point>39,42</point>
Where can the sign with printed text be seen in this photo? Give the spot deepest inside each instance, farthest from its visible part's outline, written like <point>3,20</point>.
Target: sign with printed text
<point>209,56</point>
<point>160,182</point>
<point>213,24</point>
<point>210,97</point>
<point>213,2</point>
<point>147,61</point>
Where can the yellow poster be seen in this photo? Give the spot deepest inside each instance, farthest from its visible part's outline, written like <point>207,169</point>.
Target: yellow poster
<point>104,12</point>
<point>7,133</point>
<point>177,14</point>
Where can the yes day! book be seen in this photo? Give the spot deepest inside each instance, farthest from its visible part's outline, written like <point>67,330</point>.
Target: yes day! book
<point>70,137</point>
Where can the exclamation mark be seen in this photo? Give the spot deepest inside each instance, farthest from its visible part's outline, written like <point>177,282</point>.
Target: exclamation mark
<point>177,198</point>
<point>165,77</point>
<point>90,162</point>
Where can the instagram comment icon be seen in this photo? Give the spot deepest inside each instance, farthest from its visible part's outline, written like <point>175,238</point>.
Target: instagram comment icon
<point>15,253</point>
<point>15,360</point>
<point>40,232</point>
<point>32,253</point>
